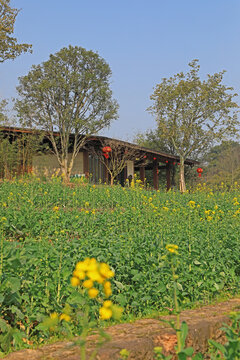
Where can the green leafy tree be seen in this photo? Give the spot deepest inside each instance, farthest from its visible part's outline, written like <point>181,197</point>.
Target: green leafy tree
<point>193,114</point>
<point>9,48</point>
<point>223,163</point>
<point>68,94</point>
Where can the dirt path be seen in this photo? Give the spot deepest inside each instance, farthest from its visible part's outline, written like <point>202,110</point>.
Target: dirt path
<point>141,337</point>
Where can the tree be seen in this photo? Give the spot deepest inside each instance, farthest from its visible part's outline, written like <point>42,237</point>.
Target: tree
<point>193,114</point>
<point>223,163</point>
<point>9,48</point>
<point>116,159</point>
<point>68,94</point>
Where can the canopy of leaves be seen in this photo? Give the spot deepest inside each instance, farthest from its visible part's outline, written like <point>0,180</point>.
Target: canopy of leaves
<point>69,93</point>
<point>193,114</point>
<point>9,48</point>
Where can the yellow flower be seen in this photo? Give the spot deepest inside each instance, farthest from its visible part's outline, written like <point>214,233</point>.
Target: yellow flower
<point>107,292</point>
<point>75,281</point>
<point>107,285</point>
<point>88,284</point>
<point>95,276</point>
<point>192,204</point>
<point>55,208</point>
<point>105,313</point>
<point>92,265</point>
<point>83,265</point>
<point>172,248</point>
<point>79,274</point>
<point>105,271</point>
<point>65,317</point>
<point>93,293</point>
<point>107,303</point>
<point>54,315</point>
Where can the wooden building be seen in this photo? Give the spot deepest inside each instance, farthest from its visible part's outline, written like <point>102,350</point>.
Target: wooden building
<point>90,162</point>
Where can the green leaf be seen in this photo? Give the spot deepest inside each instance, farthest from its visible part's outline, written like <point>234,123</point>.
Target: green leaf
<point>3,325</point>
<point>119,284</point>
<point>198,356</point>
<point>14,284</point>
<point>218,346</point>
<point>17,311</point>
<point>196,262</point>
<point>179,286</point>
<point>183,332</point>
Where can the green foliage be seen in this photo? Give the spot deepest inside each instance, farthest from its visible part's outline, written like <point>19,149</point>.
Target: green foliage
<point>70,93</point>
<point>9,48</point>
<point>16,152</point>
<point>46,228</point>
<point>223,163</point>
<point>192,114</point>
<point>231,349</point>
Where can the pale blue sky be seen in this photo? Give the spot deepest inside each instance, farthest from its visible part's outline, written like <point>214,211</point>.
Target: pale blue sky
<point>143,41</point>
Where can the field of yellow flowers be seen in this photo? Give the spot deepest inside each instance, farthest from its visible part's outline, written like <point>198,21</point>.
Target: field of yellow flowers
<point>46,228</point>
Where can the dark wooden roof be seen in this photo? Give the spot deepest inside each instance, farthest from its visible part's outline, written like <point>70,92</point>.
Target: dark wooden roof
<point>161,156</point>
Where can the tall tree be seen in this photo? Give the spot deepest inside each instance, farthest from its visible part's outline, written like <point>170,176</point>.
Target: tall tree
<point>193,114</point>
<point>68,94</point>
<point>9,48</point>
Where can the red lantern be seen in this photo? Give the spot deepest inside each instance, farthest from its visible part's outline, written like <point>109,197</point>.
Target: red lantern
<point>145,156</point>
<point>199,171</point>
<point>166,161</point>
<point>106,149</point>
<point>106,155</point>
<point>174,163</point>
<point>154,158</point>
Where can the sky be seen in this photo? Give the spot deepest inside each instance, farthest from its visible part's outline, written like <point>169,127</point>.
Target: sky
<point>143,41</point>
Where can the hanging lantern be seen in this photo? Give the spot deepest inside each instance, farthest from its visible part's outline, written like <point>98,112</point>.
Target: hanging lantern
<point>106,149</point>
<point>174,163</point>
<point>145,156</point>
<point>154,158</point>
<point>106,155</point>
<point>166,161</point>
<point>199,171</point>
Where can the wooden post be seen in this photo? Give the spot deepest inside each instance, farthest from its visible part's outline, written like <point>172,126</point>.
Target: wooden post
<point>85,164</point>
<point>106,174</point>
<point>155,175</point>
<point>142,174</point>
<point>168,176</point>
<point>125,174</point>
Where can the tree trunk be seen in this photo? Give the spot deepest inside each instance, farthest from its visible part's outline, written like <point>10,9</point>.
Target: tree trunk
<point>112,180</point>
<point>65,171</point>
<point>182,177</point>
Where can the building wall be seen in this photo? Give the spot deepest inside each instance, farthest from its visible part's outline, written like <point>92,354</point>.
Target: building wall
<point>130,168</point>
<point>47,164</point>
